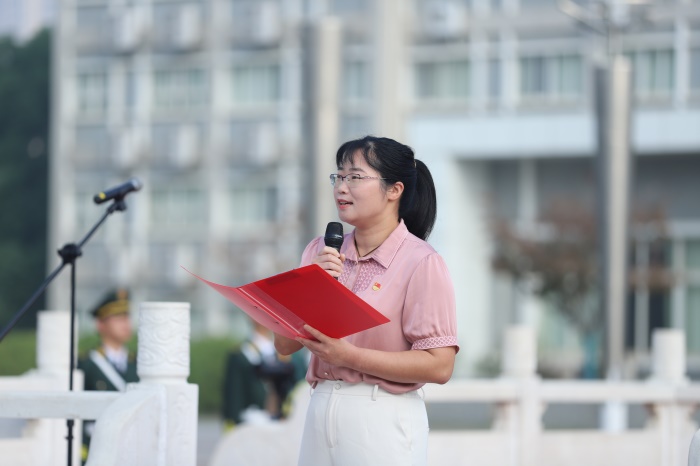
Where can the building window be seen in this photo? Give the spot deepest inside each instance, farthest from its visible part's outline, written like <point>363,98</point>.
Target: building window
<point>258,22</point>
<point>92,93</point>
<point>253,206</point>
<point>93,28</point>
<point>356,82</point>
<point>256,84</point>
<point>130,91</point>
<point>92,144</point>
<point>692,310</point>
<point>178,207</point>
<point>554,79</point>
<point>653,73</point>
<point>692,319</point>
<point>355,126</point>
<point>494,80</point>
<point>695,70</point>
<point>348,6</point>
<point>180,89</point>
<point>442,82</point>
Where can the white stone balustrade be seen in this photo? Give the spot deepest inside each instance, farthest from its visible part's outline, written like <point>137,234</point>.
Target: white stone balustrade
<point>39,440</point>
<point>154,423</point>
<point>517,436</point>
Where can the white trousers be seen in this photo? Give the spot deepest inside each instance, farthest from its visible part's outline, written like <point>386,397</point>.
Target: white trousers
<point>363,425</point>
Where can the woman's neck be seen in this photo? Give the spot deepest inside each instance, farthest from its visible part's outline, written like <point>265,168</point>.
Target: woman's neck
<point>369,239</point>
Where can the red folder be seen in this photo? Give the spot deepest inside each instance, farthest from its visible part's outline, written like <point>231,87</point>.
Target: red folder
<point>308,295</point>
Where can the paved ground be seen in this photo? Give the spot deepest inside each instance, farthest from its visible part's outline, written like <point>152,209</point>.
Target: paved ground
<point>208,433</point>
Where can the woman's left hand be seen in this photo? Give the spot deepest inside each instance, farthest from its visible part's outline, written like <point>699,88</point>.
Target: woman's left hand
<point>330,350</point>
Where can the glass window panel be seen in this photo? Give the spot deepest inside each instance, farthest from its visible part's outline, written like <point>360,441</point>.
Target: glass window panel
<point>353,127</point>
<point>695,69</point>
<point>253,206</point>
<point>571,76</point>
<point>663,70</point>
<point>92,143</point>
<point>494,79</point>
<point>692,255</point>
<point>93,27</point>
<point>356,81</point>
<point>551,78</point>
<point>653,72</point>
<point>532,75</point>
<point>92,93</point>
<point>442,81</point>
<point>692,318</point>
<point>180,89</point>
<point>130,92</point>
<point>178,207</point>
<point>349,6</point>
<point>256,84</point>
<point>425,80</point>
<point>457,80</point>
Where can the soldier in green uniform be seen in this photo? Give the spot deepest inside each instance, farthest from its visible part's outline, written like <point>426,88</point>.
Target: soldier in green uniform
<point>258,380</point>
<point>109,366</point>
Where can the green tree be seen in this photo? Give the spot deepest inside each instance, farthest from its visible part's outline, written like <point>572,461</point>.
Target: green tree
<point>24,129</point>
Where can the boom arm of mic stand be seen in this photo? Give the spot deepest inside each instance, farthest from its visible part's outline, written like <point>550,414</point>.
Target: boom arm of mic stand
<point>68,255</point>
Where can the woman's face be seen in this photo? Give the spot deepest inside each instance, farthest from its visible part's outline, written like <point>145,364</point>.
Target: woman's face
<point>365,202</point>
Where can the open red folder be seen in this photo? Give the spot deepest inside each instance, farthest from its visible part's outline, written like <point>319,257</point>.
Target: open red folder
<point>308,295</point>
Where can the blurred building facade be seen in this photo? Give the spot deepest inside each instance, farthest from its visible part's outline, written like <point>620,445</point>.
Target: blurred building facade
<point>230,112</point>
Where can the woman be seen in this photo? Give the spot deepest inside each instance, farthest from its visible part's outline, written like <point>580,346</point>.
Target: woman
<point>366,407</point>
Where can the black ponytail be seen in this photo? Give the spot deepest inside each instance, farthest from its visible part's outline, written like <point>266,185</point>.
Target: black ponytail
<point>396,162</point>
<point>421,213</point>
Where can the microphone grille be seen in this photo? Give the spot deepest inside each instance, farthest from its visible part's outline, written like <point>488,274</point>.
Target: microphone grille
<point>334,235</point>
<point>136,183</point>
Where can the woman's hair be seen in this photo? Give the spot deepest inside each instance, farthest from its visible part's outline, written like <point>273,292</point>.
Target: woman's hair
<point>396,162</point>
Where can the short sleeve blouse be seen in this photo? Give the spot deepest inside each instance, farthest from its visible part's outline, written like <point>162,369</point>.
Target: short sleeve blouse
<point>406,280</point>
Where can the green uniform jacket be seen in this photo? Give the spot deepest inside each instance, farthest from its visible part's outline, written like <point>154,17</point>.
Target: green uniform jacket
<point>97,379</point>
<point>247,385</point>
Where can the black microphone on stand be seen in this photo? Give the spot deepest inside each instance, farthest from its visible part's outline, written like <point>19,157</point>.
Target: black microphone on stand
<point>118,192</point>
<point>334,236</point>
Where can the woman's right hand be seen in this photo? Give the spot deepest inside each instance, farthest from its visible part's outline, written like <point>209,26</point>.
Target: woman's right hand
<point>330,260</point>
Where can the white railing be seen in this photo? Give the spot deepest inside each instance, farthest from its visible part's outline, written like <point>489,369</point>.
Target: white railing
<point>516,436</point>
<point>154,423</point>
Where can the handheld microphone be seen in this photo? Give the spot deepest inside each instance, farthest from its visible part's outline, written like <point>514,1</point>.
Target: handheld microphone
<point>118,192</point>
<point>334,235</point>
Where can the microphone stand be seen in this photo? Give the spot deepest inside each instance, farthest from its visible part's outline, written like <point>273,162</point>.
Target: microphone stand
<point>69,253</point>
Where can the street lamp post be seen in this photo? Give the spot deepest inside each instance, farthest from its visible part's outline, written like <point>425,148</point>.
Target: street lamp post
<point>613,102</point>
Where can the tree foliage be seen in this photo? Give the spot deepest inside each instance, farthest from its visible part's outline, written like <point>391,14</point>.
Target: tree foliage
<point>562,262</point>
<point>24,129</point>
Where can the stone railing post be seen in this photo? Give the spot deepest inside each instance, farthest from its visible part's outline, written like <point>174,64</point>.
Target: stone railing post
<point>519,357</point>
<point>164,359</point>
<point>672,419</point>
<point>668,356</point>
<point>53,343</point>
<point>521,420</point>
<point>52,362</point>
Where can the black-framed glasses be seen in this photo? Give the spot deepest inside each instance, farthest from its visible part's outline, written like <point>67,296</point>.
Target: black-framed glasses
<point>353,179</point>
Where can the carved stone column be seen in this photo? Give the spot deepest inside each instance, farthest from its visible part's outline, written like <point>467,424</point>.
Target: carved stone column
<point>164,359</point>
<point>164,343</point>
